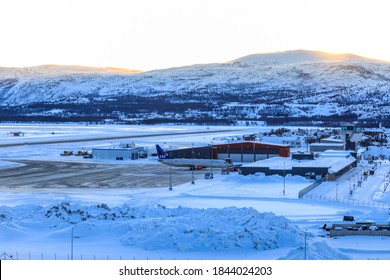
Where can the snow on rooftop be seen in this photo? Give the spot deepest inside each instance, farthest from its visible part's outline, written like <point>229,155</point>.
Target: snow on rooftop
<point>322,144</point>
<point>335,140</point>
<point>333,162</point>
<point>279,140</point>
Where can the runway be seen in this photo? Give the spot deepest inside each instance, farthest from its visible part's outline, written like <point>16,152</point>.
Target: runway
<point>55,176</point>
<point>60,141</point>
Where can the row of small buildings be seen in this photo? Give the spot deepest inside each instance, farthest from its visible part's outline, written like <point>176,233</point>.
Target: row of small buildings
<point>328,159</point>
<point>272,159</point>
<point>255,157</point>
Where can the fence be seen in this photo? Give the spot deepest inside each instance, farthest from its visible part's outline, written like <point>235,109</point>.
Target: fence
<point>53,256</point>
<point>310,187</point>
<point>345,200</point>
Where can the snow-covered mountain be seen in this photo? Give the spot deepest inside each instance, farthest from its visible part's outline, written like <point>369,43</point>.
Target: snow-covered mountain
<point>284,87</point>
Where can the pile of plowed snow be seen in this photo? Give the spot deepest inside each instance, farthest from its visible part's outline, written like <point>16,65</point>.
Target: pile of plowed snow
<point>152,228</point>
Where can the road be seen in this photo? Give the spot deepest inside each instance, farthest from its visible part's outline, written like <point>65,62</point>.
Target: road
<point>54,176</point>
<point>345,188</point>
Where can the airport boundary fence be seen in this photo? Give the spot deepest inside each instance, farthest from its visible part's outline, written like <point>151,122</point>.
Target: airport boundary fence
<point>8,255</point>
<point>347,200</point>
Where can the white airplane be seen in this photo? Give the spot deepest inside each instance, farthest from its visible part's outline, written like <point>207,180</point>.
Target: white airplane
<point>191,163</point>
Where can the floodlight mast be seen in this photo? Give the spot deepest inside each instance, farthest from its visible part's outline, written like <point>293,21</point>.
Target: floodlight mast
<point>193,166</point>
<point>170,169</point>
<point>71,242</point>
<point>284,177</point>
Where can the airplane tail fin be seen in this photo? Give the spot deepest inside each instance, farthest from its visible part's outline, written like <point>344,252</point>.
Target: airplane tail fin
<point>161,153</point>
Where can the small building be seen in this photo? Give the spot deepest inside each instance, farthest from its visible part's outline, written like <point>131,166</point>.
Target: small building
<point>116,153</point>
<point>373,131</point>
<point>293,141</point>
<point>328,166</point>
<point>303,155</point>
<point>127,144</point>
<point>331,141</point>
<point>322,147</point>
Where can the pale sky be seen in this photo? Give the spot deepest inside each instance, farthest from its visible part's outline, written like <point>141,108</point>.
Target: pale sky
<point>154,34</point>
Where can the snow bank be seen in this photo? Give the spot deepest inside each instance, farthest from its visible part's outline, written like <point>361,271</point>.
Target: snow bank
<point>315,251</point>
<point>155,228</point>
<point>188,229</point>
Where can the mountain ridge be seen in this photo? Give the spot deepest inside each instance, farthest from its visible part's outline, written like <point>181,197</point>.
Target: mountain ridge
<point>299,56</point>
<point>292,85</point>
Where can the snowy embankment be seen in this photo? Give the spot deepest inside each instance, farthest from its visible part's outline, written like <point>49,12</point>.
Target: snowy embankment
<point>229,219</point>
<point>155,228</point>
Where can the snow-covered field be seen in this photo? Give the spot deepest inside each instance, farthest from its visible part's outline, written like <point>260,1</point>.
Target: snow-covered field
<point>228,217</point>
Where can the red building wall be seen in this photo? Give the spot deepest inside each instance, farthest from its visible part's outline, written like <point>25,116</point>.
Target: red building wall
<point>252,148</point>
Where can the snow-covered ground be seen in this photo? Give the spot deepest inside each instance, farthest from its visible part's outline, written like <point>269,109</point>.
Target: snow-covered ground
<point>228,217</point>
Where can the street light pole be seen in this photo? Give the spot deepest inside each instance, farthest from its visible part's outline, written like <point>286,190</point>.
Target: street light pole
<point>350,188</point>
<point>170,169</point>
<point>305,245</point>
<point>212,157</point>
<point>71,242</point>
<point>193,166</point>
<point>284,177</point>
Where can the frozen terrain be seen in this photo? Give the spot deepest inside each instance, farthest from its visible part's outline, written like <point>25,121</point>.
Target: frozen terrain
<point>228,217</point>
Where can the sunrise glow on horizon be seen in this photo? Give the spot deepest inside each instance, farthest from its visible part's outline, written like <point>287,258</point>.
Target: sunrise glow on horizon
<point>155,34</point>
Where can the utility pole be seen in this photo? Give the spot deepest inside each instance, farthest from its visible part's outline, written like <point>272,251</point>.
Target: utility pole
<point>212,157</point>
<point>170,169</point>
<point>193,166</point>
<point>284,177</point>
<point>254,152</point>
<point>305,245</point>
<point>350,189</point>
<point>71,242</point>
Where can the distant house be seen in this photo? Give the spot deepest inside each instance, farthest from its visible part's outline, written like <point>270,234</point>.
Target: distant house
<point>327,144</point>
<point>322,147</point>
<point>373,131</point>
<point>127,145</point>
<point>292,141</point>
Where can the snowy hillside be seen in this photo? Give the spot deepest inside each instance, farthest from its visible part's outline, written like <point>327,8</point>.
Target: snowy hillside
<point>298,56</point>
<point>298,85</point>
